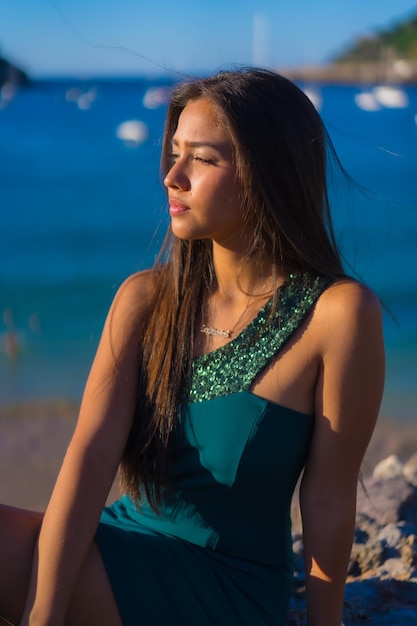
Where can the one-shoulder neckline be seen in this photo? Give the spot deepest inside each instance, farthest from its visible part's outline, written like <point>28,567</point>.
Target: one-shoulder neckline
<point>253,322</point>
<point>241,333</point>
<point>235,365</point>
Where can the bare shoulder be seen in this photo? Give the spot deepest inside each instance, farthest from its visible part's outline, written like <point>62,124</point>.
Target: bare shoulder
<point>348,296</point>
<point>130,305</point>
<point>135,293</point>
<point>136,285</point>
<point>347,313</point>
<point>348,302</point>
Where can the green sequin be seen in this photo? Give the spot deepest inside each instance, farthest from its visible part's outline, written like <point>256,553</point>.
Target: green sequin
<point>231,368</point>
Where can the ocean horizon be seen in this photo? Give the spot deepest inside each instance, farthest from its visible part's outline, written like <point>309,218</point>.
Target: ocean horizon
<point>82,207</point>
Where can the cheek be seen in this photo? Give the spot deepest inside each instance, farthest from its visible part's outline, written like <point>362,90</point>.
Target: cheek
<point>226,190</point>
<point>231,201</point>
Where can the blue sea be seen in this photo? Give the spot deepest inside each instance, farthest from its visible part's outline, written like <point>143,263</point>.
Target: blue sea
<point>82,207</point>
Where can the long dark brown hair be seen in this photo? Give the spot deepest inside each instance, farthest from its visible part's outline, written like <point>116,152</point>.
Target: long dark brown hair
<point>280,150</point>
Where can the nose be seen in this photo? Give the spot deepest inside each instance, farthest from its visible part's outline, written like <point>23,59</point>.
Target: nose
<point>176,177</point>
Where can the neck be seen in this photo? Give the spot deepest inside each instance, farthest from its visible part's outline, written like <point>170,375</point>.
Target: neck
<point>237,278</point>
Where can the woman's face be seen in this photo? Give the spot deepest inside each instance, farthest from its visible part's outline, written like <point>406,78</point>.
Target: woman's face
<point>202,184</point>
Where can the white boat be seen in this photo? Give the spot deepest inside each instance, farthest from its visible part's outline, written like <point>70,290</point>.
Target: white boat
<point>391,97</point>
<point>83,99</point>
<point>388,93</point>
<point>86,99</point>
<point>367,101</point>
<point>156,97</point>
<point>7,93</point>
<point>132,132</point>
<point>382,96</point>
<point>72,94</point>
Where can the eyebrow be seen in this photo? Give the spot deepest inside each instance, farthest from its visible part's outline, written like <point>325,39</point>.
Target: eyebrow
<point>198,144</point>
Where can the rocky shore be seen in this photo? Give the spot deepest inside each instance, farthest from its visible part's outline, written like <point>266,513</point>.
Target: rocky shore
<point>399,72</point>
<point>382,578</point>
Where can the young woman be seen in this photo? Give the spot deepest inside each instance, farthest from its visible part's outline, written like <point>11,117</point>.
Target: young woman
<point>243,357</point>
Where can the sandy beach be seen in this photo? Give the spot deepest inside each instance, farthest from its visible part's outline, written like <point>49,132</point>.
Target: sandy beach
<point>33,440</point>
<point>34,437</point>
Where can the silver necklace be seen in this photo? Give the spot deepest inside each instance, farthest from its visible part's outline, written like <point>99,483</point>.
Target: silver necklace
<point>215,332</point>
<point>212,331</point>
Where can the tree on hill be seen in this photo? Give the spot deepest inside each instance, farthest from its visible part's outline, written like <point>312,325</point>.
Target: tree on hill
<point>11,74</point>
<point>401,41</point>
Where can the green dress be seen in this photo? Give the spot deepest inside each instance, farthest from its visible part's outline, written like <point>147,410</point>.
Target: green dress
<point>220,553</point>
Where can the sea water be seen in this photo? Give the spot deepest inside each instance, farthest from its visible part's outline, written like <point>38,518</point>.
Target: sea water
<point>82,207</point>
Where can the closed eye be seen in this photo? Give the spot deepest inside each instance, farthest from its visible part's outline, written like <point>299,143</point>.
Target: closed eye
<point>173,156</point>
<point>202,160</point>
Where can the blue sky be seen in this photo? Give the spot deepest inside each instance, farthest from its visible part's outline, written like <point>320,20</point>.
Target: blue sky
<point>125,37</point>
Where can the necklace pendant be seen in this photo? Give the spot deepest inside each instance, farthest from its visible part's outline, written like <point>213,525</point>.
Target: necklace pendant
<point>215,332</point>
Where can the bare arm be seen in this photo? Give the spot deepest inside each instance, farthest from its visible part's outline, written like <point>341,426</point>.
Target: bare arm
<point>348,397</point>
<point>90,463</point>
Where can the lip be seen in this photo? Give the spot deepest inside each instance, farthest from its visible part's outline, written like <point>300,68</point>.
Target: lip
<point>177,208</point>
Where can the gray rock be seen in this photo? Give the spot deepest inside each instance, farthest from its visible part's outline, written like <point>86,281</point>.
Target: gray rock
<point>391,467</point>
<point>410,470</point>
<point>386,501</point>
<point>408,550</point>
<point>390,535</point>
<point>379,602</point>
<point>395,568</point>
<point>407,510</point>
<point>364,559</point>
<point>372,601</point>
<point>382,576</point>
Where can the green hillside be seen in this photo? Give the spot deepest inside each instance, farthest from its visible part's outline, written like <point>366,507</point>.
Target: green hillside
<point>10,73</point>
<point>400,40</point>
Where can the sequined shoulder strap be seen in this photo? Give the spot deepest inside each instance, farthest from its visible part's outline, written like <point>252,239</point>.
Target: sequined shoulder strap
<point>234,367</point>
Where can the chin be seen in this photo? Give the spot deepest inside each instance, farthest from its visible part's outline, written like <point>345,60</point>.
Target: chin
<point>188,234</point>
